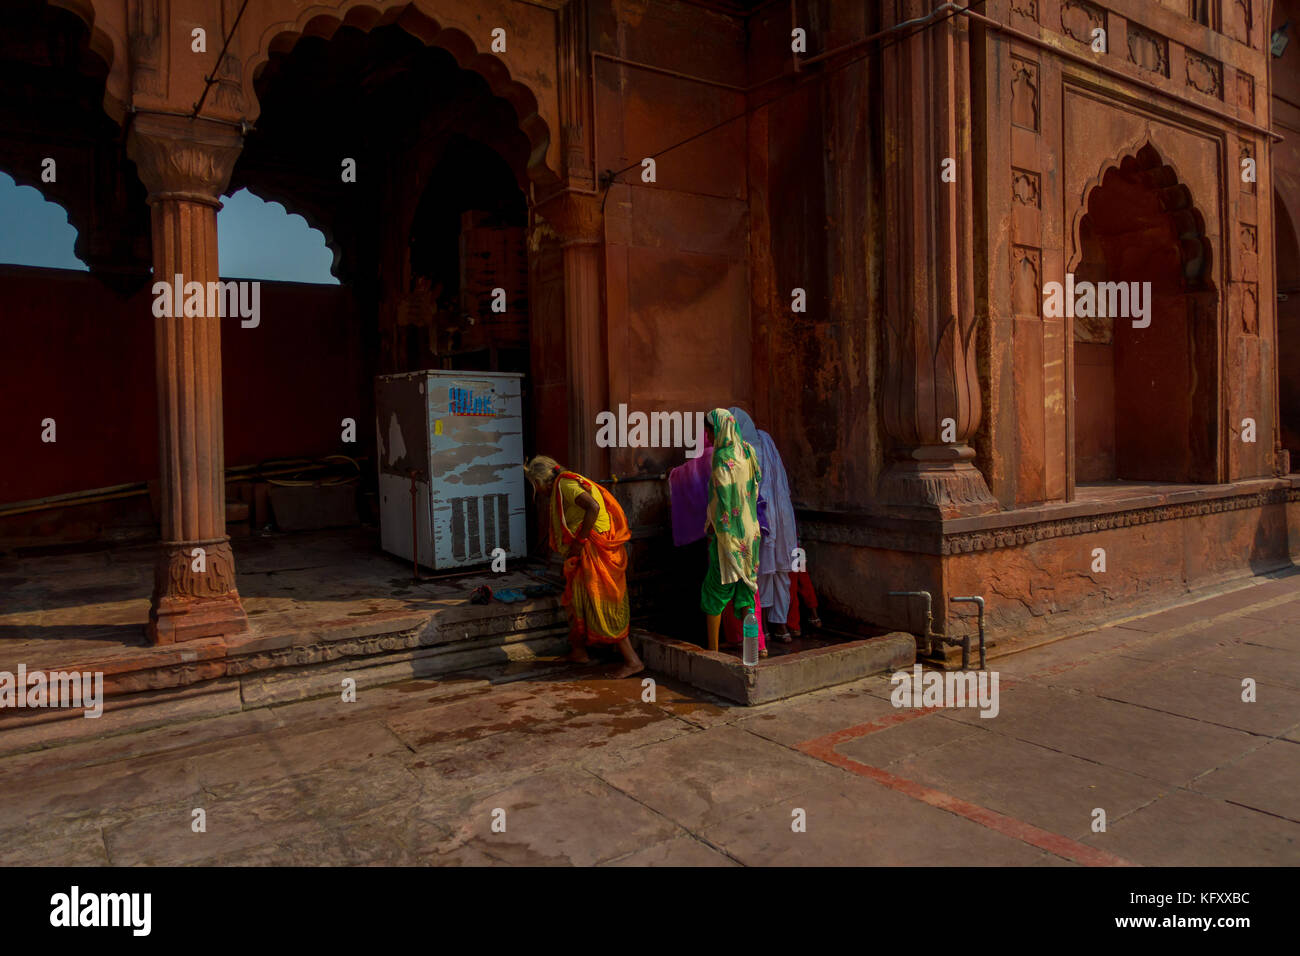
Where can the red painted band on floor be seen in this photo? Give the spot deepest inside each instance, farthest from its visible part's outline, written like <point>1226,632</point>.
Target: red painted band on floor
<point>823,748</point>
<point>861,730</point>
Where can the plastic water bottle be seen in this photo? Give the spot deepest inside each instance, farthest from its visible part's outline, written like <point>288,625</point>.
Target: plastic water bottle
<point>750,631</point>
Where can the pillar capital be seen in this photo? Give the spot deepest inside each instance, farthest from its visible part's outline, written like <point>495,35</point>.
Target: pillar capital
<point>183,158</point>
<point>576,218</point>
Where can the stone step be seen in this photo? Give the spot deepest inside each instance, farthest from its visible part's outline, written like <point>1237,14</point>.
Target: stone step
<point>492,657</point>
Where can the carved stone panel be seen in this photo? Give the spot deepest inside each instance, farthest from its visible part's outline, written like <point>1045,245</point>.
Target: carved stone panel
<point>1148,51</point>
<point>1025,8</point>
<point>1249,308</point>
<point>1239,17</point>
<point>1204,74</point>
<point>1246,91</point>
<point>1024,93</point>
<point>1079,18</point>
<point>1247,186</point>
<point>1249,239</point>
<point>1026,279</point>
<point>1025,188</point>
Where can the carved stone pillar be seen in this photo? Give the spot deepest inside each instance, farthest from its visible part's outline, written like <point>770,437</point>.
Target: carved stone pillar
<point>185,164</point>
<point>931,396</point>
<point>577,221</point>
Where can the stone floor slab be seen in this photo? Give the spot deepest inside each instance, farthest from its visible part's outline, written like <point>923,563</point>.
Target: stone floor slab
<point>1187,829</point>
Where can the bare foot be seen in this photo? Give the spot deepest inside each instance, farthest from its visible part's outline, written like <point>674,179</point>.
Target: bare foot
<point>627,670</point>
<point>577,657</point>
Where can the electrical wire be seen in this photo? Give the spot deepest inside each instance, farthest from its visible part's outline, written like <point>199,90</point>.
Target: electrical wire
<point>212,78</point>
<point>609,178</point>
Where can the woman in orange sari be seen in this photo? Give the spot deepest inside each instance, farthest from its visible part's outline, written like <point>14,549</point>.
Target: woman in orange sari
<point>589,529</point>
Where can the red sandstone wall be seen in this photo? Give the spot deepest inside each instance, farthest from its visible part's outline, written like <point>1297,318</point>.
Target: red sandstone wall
<point>676,279</point>
<point>77,353</point>
<point>813,221</point>
<point>1286,182</point>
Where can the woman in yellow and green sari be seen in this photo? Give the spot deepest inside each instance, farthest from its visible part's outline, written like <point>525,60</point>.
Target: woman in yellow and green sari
<point>589,530</point>
<point>733,532</point>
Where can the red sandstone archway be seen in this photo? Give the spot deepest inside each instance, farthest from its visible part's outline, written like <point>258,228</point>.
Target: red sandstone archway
<point>321,20</point>
<point>109,46</point>
<point>1146,399</point>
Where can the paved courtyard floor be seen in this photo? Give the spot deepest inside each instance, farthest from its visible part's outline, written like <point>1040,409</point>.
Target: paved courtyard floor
<point>1142,721</point>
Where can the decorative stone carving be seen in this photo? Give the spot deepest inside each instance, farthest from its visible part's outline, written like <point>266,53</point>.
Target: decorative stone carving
<point>174,573</point>
<point>1026,287</point>
<point>574,62</point>
<point>1245,152</point>
<point>574,218</point>
<point>1204,74</point>
<point>1025,8</point>
<point>1148,51</point>
<point>148,32</point>
<point>1246,91</point>
<point>1079,18</point>
<point>929,538</point>
<point>1249,238</point>
<point>226,91</point>
<point>1240,19</point>
<point>1249,309</point>
<point>181,158</point>
<point>1025,188</point>
<point>1024,93</point>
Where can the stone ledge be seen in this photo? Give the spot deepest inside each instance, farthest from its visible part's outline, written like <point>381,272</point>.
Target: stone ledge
<point>1019,526</point>
<point>775,678</point>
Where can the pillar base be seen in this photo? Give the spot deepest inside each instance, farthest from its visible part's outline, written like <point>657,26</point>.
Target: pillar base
<point>176,619</point>
<point>190,603</point>
<point>948,489</point>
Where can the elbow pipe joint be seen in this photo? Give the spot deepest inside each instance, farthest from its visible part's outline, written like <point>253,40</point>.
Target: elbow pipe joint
<point>928,637</point>
<point>965,641</point>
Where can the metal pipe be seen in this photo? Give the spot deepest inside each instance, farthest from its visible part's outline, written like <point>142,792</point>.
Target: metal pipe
<point>616,480</point>
<point>677,74</point>
<point>928,635</point>
<point>965,648</point>
<point>942,8</point>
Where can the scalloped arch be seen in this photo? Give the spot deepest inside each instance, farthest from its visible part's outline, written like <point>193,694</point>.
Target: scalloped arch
<point>23,182</point>
<point>109,46</point>
<point>1095,182</point>
<point>293,205</point>
<point>311,213</point>
<point>324,20</point>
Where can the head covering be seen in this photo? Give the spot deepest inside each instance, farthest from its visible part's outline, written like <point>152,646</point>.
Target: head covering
<point>745,425</point>
<point>751,434</point>
<point>775,509</point>
<point>733,501</point>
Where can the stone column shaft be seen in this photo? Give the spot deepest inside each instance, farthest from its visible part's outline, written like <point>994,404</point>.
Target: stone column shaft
<point>186,164</point>
<point>579,225</point>
<point>931,395</point>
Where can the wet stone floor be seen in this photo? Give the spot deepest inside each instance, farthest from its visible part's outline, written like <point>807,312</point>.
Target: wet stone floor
<point>549,764</point>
